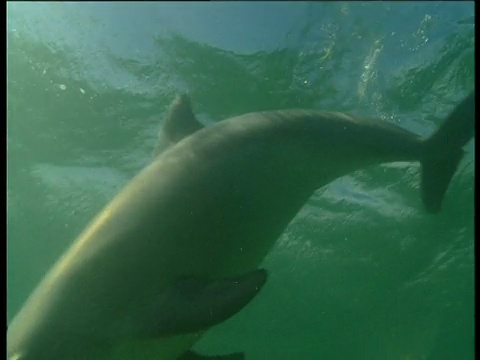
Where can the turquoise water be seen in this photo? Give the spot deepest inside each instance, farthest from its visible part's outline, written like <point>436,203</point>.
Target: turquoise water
<point>363,272</point>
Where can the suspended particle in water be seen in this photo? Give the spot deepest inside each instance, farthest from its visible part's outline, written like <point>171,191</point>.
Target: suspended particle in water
<point>62,87</point>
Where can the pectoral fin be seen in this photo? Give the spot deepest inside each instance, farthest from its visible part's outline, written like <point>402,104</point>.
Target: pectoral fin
<point>192,355</point>
<point>194,304</point>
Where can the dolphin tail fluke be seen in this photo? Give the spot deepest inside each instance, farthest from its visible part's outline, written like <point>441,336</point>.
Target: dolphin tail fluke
<point>444,152</point>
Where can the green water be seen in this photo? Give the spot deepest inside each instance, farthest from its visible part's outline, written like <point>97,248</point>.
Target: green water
<point>363,272</point>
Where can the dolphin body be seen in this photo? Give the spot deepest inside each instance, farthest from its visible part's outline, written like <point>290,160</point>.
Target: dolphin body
<point>176,251</point>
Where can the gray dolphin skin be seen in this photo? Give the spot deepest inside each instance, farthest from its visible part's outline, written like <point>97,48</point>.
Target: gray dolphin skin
<point>180,122</point>
<point>177,251</point>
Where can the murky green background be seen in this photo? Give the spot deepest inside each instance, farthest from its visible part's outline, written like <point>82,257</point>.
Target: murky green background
<point>363,272</point>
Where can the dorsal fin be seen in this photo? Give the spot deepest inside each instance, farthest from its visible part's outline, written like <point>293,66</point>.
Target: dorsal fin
<point>193,355</point>
<point>179,123</point>
<point>193,304</point>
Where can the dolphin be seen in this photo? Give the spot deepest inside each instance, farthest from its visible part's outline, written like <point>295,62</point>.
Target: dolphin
<point>178,250</point>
